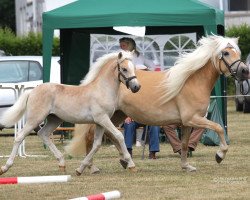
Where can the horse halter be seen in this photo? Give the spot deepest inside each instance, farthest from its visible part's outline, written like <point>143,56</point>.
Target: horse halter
<point>229,66</point>
<point>126,79</point>
<point>234,73</point>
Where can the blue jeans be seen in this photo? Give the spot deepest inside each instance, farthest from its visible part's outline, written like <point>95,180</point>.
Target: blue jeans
<point>153,131</point>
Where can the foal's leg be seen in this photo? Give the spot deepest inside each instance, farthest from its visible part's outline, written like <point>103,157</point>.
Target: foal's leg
<point>52,123</point>
<point>89,140</point>
<point>127,162</point>
<point>18,140</point>
<point>96,145</point>
<point>89,144</point>
<point>186,132</point>
<point>114,141</point>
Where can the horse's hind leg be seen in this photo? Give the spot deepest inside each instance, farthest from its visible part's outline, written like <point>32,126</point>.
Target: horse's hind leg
<point>96,145</point>
<point>186,132</point>
<point>52,123</point>
<point>18,140</point>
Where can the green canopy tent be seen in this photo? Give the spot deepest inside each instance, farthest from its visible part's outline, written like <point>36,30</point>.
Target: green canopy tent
<point>79,19</point>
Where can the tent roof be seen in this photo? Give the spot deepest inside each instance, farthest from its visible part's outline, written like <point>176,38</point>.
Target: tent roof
<point>108,13</point>
<point>88,14</point>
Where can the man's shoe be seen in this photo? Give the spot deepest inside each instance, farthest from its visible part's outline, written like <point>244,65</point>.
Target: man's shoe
<point>152,155</point>
<point>190,151</point>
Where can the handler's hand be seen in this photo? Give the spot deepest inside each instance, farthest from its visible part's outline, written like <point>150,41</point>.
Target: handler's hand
<point>128,120</point>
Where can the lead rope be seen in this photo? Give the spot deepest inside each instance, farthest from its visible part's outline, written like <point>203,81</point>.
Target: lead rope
<point>242,88</point>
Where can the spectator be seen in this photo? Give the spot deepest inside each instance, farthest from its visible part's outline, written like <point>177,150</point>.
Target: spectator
<point>175,142</point>
<point>130,126</point>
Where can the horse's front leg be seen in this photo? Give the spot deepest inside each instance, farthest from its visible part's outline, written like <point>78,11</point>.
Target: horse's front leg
<point>203,122</point>
<point>87,162</point>
<point>89,140</point>
<point>89,144</point>
<point>186,132</point>
<point>118,136</point>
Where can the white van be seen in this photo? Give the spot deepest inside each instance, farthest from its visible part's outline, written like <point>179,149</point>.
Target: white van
<point>16,71</point>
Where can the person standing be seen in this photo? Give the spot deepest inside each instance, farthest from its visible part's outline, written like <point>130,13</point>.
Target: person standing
<point>130,126</point>
<point>175,142</point>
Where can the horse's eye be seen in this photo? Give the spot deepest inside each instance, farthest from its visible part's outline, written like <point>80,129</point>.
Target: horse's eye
<point>124,70</point>
<point>225,53</point>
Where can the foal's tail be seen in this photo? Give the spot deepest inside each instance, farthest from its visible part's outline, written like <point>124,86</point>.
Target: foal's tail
<point>78,146</point>
<point>15,112</point>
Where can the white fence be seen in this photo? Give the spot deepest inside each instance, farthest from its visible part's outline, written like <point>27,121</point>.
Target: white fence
<point>18,90</point>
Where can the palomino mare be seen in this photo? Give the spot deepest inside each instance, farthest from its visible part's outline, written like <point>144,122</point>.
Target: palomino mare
<point>94,101</point>
<point>180,95</point>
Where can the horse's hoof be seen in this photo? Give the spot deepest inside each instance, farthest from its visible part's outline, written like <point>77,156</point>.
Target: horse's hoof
<point>94,170</point>
<point>78,173</point>
<point>124,163</point>
<point>62,168</point>
<point>218,158</point>
<point>132,169</point>
<point>189,168</point>
<point>1,171</point>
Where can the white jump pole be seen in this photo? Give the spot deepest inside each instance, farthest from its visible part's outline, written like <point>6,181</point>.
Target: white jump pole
<point>102,196</point>
<point>35,179</point>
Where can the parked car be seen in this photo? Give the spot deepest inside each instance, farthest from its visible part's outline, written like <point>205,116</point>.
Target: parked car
<point>22,70</point>
<point>242,91</point>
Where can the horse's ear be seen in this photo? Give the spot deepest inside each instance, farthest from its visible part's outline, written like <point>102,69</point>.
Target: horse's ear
<point>120,55</point>
<point>237,40</point>
<point>229,45</point>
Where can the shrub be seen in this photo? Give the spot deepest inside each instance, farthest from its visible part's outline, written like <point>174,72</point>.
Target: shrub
<point>26,45</point>
<point>243,32</point>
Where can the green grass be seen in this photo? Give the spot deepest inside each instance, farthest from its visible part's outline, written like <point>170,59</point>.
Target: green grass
<point>159,179</point>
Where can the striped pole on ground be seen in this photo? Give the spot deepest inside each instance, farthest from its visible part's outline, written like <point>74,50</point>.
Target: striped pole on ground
<point>35,179</point>
<point>102,196</point>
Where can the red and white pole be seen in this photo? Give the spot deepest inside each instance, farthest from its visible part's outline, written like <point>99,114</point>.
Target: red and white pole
<point>102,196</point>
<point>35,179</point>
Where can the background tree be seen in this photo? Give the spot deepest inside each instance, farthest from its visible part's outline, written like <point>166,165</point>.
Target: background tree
<point>7,14</point>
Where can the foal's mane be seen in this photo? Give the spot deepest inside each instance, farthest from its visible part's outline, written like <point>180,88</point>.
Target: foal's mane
<point>208,48</point>
<point>97,66</point>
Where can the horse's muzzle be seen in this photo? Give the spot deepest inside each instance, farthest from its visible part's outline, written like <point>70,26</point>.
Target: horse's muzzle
<point>135,88</point>
<point>245,73</point>
<point>242,73</point>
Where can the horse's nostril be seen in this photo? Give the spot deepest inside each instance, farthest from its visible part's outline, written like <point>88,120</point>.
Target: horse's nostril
<point>245,71</point>
<point>136,88</point>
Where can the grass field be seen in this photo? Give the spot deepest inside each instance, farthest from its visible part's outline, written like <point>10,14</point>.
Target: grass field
<point>156,179</point>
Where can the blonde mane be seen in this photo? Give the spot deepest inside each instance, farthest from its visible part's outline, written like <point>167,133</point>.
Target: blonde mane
<point>96,67</point>
<point>208,48</point>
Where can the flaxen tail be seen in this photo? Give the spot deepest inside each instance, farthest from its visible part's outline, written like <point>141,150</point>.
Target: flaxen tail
<point>15,112</point>
<point>77,146</point>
